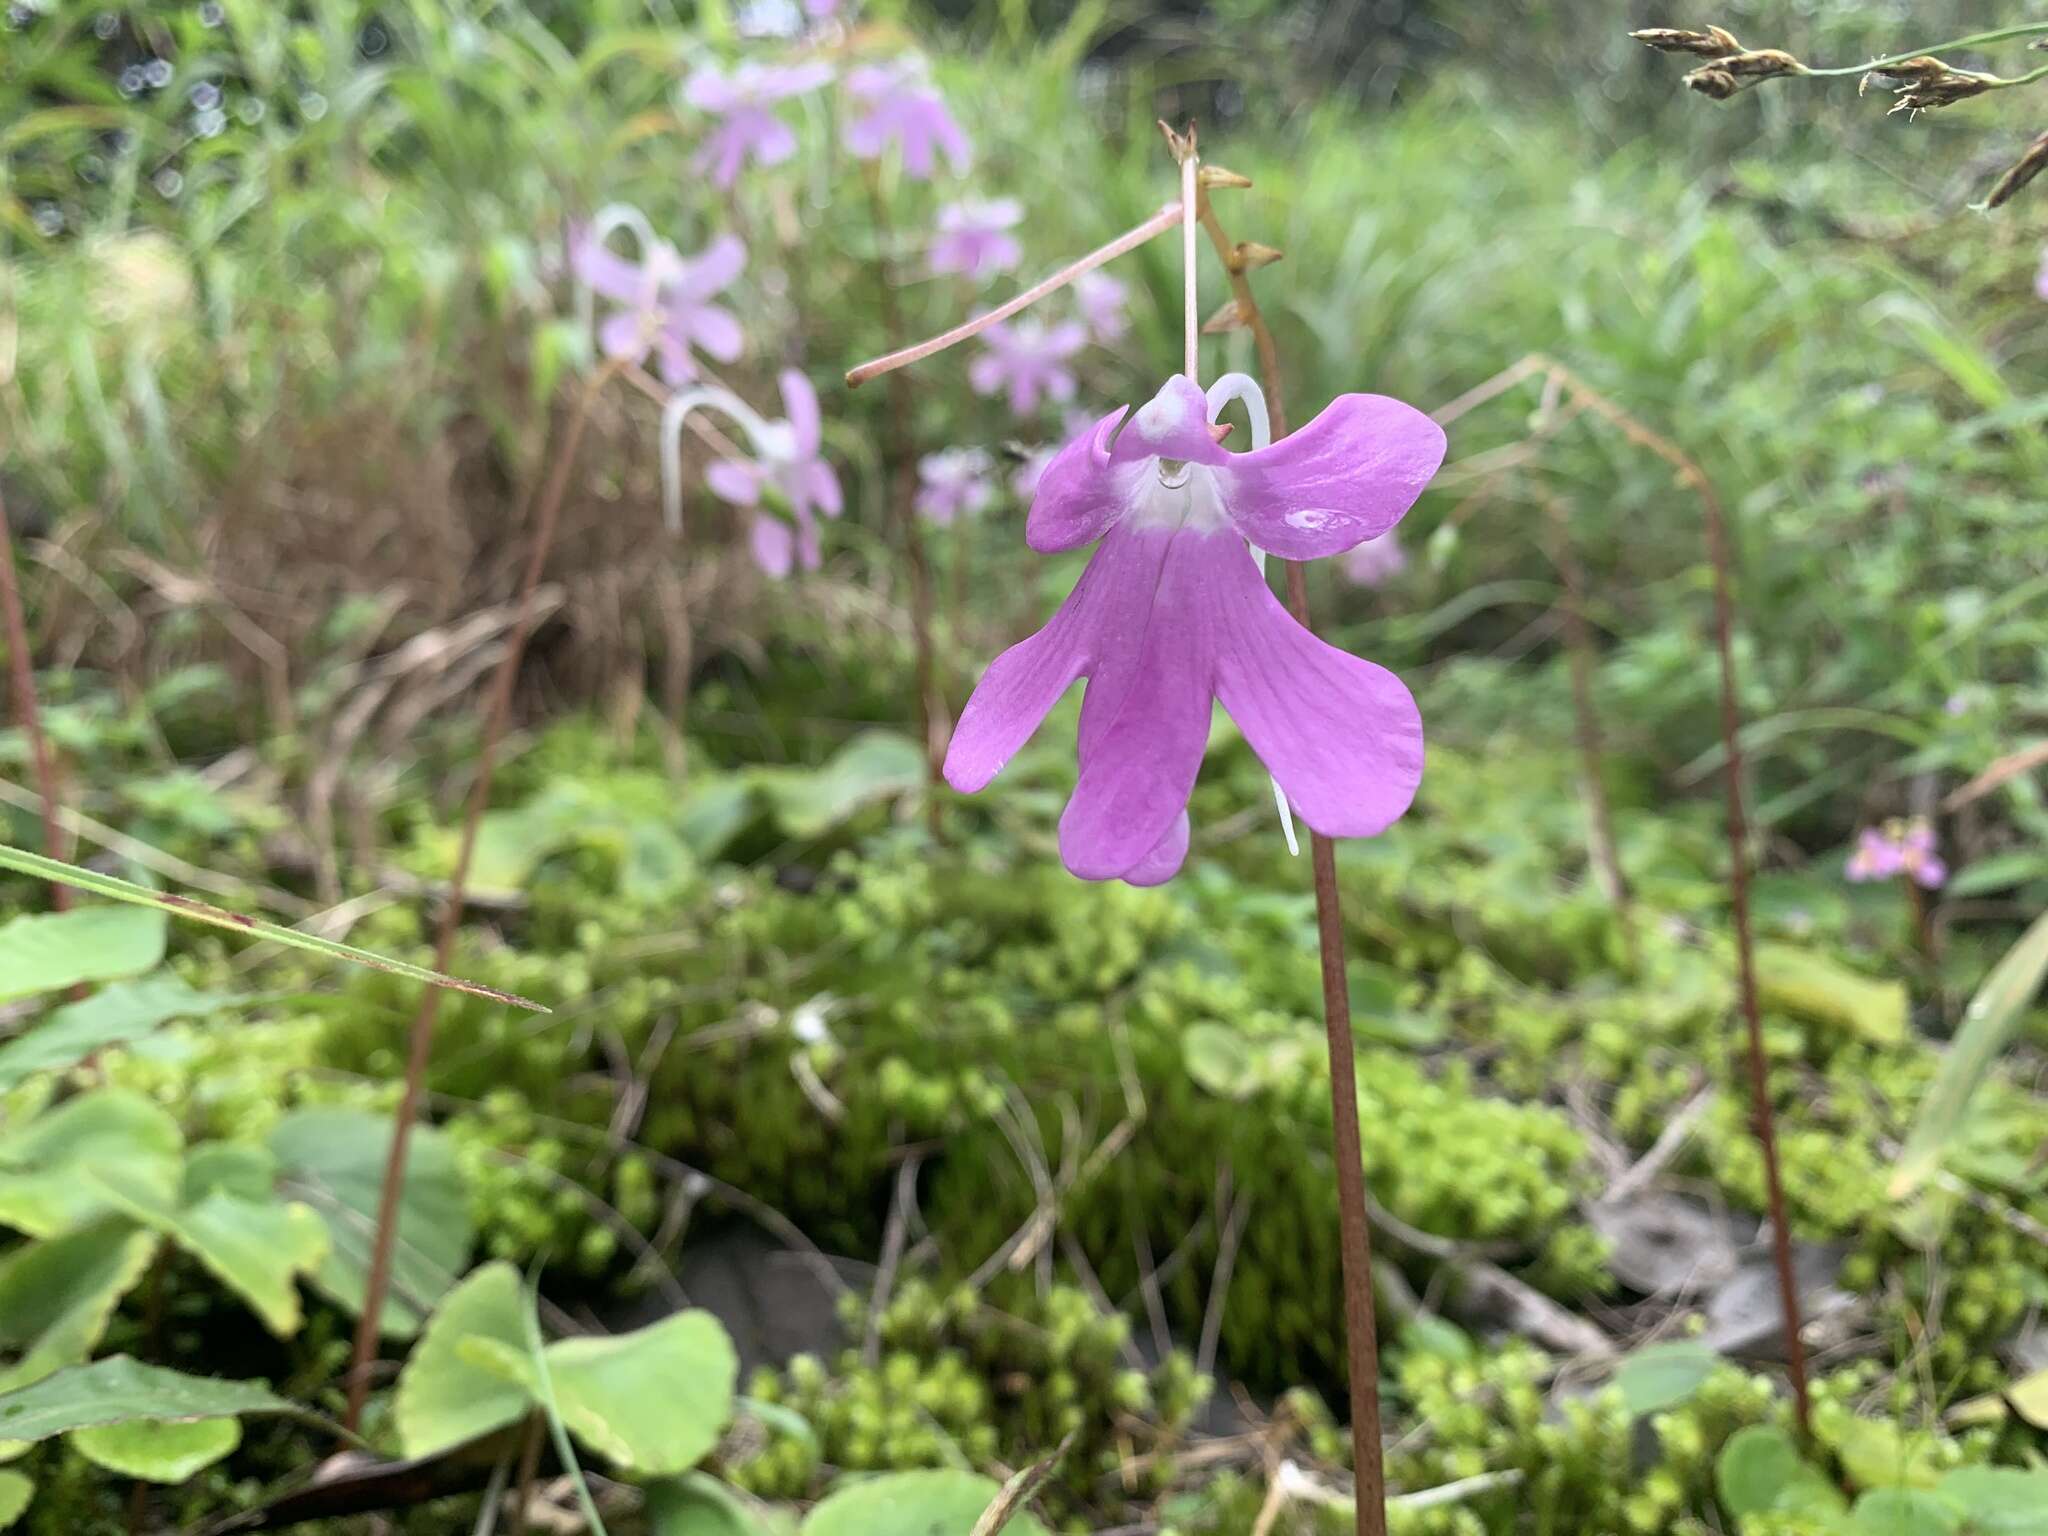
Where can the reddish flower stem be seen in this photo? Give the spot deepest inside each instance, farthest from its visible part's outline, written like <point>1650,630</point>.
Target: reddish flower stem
<point>1361,1326</point>
<point>498,713</point>
<point>22,681</point>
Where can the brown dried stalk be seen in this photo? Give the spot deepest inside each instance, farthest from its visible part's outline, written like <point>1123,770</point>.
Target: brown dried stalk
<point>22,682</point>
<point>499,711</point>
<point>1577,393</point>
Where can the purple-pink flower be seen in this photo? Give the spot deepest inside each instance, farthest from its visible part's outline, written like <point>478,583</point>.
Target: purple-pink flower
<point>1898,848</point>
<point>742,102</point>
<point>898,105</point>
<point>1376,562</point>
<point>2041,278</point>
<point>1172,613</point>
<point>1028,359</point>
<point>793,467</point>
<point>974,239</point>
<point>1101,299</point>
<point>954,484</point>
<point>1024,481</point>
<point>663,301</point>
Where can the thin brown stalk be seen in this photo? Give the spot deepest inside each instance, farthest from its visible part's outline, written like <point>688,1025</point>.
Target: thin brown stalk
<point>901,470</point>
<point>1361,1327</point>
<point>1578,644</point>
<point>1720,557</point>
<point>498,713</point>
<point>22,681</point>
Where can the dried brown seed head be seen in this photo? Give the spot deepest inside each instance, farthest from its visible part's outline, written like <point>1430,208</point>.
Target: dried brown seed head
<point>2022,171</point>
<point>1714,43</point>
<point>1713,81</point>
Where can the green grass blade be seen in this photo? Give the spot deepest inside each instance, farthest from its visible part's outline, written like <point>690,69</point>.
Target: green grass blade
<point>60,873</point>
<point>1988,1025</point>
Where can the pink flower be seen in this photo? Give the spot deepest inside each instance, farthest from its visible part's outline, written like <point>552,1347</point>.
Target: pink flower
<point>2041,279</point>
<point>1376,562</point>
<point>663,301</point>
<point>1027,358</point>
<point>954,484</point>
<point>791,466</point>
<point>1172,613</point>
<point>1899,848</point>
<point>1919,859</point>
<point>1876,857</point>
<point>900,107</point>
<point>747,129</point>
<point>1101,299</point>
<point>973,241</point>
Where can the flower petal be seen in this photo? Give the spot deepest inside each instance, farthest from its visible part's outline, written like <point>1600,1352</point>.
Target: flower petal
<point>1342,736</point>
<point>1346,477</point>
<point>773,545</point>
<point>603,270</point>
<point>732,481</point>
<point>1173,424</point>
<point>620,335</point>
<point>715,331</point>
<point>1080,493</point>
<point>1139,760</point>
<point>1165,860</point>
<point>714,267</point>
<point>800,407</point>
<point>821,484</point>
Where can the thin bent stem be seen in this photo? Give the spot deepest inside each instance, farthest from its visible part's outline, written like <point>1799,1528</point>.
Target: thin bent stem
<point>1129,240</point>
<point>1975,40</point>
<point>1192,326</point>
<point>377,1283</point>
<point>901,465</point>
<point>1361,1327</point>
<point>22,680</point>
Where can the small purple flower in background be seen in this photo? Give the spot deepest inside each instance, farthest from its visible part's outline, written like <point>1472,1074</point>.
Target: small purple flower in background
<point>663,301</point>
<point>792,465</point>
<point>954,484</point>
<point>974,239</point>
<point>1101,300</point>
<point>2041,278</point>
<point>1028,359</point>
<point>899,105</point>
<point>1024,482</point>
<point>1956,705</point>
<point>1173,615</point>
<point>742,100</point>
<point>1376,562</point>
<point>1898,848</point>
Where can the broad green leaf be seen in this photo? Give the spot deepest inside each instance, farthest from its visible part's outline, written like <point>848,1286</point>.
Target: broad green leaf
<point>56,1297</point>
<point>875,765</point>
<point>713,813</point>
<point>444,1398</point>
<point>652,1401</point>
<point>56,870</point>
<point>1760,1469</point>
<point>257,1248</point>
<point>2029,1398</point>
<point>48,951</point>
<point>1999,1501</point>
<point>15,1492</point>
<point>1877,1453</point>
<point>116,1014</point>
<point>244,1168</point>
<point>43,1187</point>
<point>1219,1059</point>
<point>1811,986</point>
<point>118,1390</point>
<point>1661,1376</point>
<point>1989,1024</point>
<point>1904,1512</point>
<point>697,1505</point>
<point>158,1453</point>
<point>934,1503</point>
<point>333,1160</point>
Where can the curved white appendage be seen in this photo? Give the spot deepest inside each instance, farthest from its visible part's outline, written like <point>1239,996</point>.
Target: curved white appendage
<point>608,218</point>
<point>1242,386</point>
<point>771,439</point>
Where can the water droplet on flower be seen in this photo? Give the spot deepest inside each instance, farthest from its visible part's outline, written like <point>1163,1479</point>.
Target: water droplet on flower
<point>168,182</point>
<point>250,110</point>
<point>210,124</point>
<point>132,82</point>
<point>313,105</point>
<point>105,25</point>
<point>373,40</point>
<point>211,15</point>
<point>49,218</point>
<point>205,95</point>
<point>158,72</point>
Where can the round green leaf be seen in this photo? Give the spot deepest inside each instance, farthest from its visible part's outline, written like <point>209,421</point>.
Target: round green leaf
<point>936,1503</point>
<point>696,1505</point>
<point>1761,1469</point>
<point>445,1397</point>
<point>1999,1501</point>
<point>655,1400</point>
<point>158,1453</point>
<point>1905,1512</point>
<point>15,1492</point>
<point>1662,1376</point>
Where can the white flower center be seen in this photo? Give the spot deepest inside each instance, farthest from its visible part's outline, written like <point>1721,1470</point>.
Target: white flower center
<point>1172,495</point>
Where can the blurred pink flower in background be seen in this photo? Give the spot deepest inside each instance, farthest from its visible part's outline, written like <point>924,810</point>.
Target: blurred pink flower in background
<point>953,484</point>
<point>1898,848</point>
<point>1376,562</point>
<point>663,301</point>
<point>1024,481</point>
<point>974,238</point>
<point>2041,278</point>
<point>747,128</point>
<point>792,465</point>
<point>899,105</point>
<point>1027,358</point>
<point>1101,299</point>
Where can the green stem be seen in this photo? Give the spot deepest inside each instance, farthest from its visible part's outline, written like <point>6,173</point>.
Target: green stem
<point>1975,40</point>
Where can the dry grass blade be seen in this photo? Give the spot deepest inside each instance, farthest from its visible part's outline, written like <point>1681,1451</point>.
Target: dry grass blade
<point>1018,1490</point>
